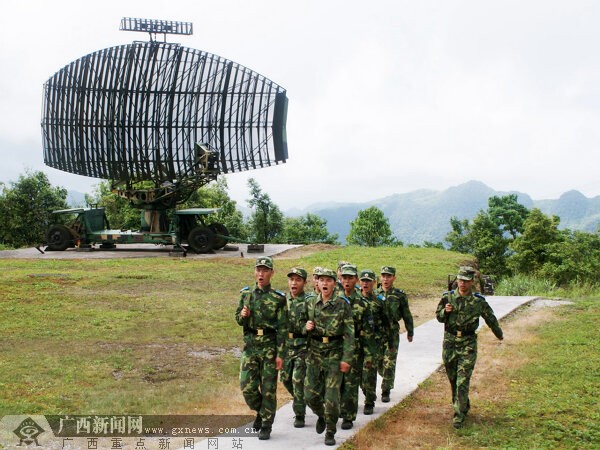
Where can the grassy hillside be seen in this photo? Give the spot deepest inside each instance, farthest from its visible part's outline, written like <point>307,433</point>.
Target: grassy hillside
<point>151,336</point>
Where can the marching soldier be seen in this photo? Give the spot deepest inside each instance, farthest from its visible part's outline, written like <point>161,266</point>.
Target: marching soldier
<point>396,309</point>
<point>459,311</point>
<point>362,353</point>
<point>376,335</point>
<point>261,313</point>
<point>294,362</point>
<point>330,353</point>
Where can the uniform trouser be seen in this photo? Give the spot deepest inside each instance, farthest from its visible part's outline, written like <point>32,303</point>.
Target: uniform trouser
<point>258,381</point>
<point>322,385</point>
<point>369,378</point>
<point>459,361</point>
<point>350,382</point>
<point>387,367</point>
<point>292,376</point>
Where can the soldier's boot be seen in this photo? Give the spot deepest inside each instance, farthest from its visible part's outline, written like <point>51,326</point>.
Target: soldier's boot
<point>385,396</point>
<point>368,410</point>
<point>329,438</point>
<point>264,433</point>
<point>458,420</point>
<point>346,424</point>
<point>299,422</point>
<point>257,423</point>
<point>320,425</point>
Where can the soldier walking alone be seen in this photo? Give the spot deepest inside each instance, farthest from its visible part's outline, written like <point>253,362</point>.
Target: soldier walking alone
<point>459,312</point>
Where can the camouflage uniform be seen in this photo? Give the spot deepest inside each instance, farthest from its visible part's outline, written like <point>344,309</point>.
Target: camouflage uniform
<point>296,347</point>
<point>460,343</point>
<point>362,353</point>
<point>377,336</point>
<point>263,342</point>
<point>331,342</point>
<point>396,309</point>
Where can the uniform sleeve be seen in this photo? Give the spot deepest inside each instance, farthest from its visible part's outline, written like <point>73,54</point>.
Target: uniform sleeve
<point>367,328</point>
<point>490,319</point>
<point>440,313</point>
<point>281,326</point>
<point>348,327</point>
<point>407,315</point>
<point>242,321</point>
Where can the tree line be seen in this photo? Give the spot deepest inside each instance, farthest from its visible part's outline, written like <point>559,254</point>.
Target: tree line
<point>507,239</point>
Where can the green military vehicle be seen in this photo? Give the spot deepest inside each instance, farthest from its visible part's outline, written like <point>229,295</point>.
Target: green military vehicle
<point>184,229</point>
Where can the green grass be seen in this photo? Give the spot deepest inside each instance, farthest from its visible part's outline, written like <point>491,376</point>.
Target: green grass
<point>122,335</point>
<point>553,401</point>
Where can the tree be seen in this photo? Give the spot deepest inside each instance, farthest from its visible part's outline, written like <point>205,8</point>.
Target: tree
<point>306,230</point>
<point>371,229</point>
<point>27,207</point>
<point>490,245</point>
<point>532,248</point>
<point>490,234</point>
<point>508,214</point>
<point>460,238</point>
<point>266,222</point>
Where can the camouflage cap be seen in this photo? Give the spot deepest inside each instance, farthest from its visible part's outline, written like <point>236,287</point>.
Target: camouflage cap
<point>465,273</point>
<point>298,271</point>
<point>367,274</point>
<point>388,269</point>
<point>349,269</point>
<point>342,264</point>
<point>317,270</point>
<point>266,261</point>
<point>328,273</point>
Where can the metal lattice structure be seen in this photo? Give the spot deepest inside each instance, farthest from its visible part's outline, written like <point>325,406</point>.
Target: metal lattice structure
<point>136,112</point>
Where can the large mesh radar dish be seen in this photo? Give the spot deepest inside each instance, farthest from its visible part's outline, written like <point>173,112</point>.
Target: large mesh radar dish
<point>150,110</point>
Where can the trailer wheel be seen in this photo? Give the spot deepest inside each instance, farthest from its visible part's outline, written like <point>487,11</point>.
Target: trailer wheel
<point>201,239</point>
<point>58,238</point>
<point>219,228</point>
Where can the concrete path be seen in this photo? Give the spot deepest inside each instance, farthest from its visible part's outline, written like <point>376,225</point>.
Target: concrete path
<point>416,362</point>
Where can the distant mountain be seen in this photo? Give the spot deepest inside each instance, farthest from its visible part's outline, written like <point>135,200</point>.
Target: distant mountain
<point>424,215</point>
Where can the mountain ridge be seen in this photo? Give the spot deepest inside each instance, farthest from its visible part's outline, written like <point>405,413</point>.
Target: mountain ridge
<point>424,214</point>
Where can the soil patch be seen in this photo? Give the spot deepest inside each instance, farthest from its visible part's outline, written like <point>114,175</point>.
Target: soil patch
<point>305,250</point>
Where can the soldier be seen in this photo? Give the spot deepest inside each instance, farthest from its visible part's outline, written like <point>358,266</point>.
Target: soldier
<point>315,279</point>
<point>459,312</point>
<point>330,352</point>
<point>376,336</point>
<point>339,286</point>
<point>396,309</point>
<point>294,362</point>
<point>362,353</point>
<point>261,313</point>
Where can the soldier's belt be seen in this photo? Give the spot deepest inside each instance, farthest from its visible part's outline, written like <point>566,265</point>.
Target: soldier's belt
<point>326,339</point>
<point>295,335</point>
<point>360,333</point>
<point>261,331</point>
<point>460,333</point>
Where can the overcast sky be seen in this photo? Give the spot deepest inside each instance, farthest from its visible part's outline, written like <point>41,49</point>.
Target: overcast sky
<point>384,96</point>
